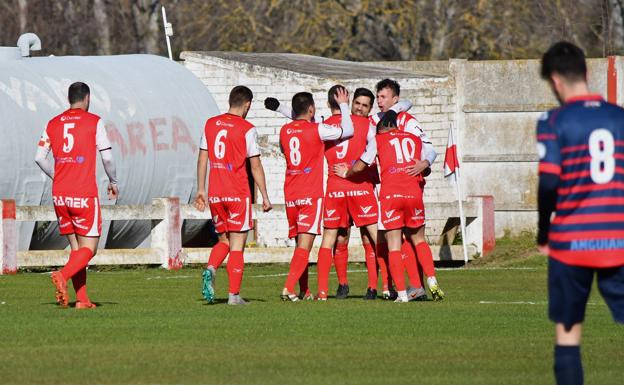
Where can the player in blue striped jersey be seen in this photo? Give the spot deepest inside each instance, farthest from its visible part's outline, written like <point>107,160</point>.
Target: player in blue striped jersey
<point>581,179</point>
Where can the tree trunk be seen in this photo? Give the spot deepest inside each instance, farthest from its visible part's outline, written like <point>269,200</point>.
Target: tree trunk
<point>616,27</point>
<point>101,24</point>
<point>146,14</point>
<point>23,14</point>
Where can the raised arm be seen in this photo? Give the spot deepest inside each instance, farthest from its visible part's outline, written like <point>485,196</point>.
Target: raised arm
<point>330,132</point>
<point>41,157</point>
<point>274,105</point>
<point>401,106</point>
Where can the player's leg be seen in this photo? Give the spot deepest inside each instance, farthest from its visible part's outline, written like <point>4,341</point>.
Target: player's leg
<point>568,292</point>
<point>219,251</point>
<point>425,257</point>
<point>323,265</point>
<point>394,239</point>
<point>341,262</point>
<point>415,290</point>
<point>236,266</point>
<point>304,285</point>
<point>79,280</point>
<point>298,264</point>
<point>369,240</point>
<point>84,220</point>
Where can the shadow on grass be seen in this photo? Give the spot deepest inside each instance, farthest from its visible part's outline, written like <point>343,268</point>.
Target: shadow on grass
<point>220,301</point>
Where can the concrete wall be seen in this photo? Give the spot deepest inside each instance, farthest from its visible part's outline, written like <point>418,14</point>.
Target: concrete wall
<point>492,106</point>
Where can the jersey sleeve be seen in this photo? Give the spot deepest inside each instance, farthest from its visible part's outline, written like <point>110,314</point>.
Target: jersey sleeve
<point>548,147</point>
<point>345,130</point>
<point>429,153</point>
<point>370,152</point>
<point>44,140</point>
<point>251,139</point>
<point>101,138</point>
<point>401,106</point>
<point>203,143</point>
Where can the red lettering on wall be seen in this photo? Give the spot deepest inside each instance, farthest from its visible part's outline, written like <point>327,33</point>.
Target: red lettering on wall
<point>136,133</point>
<point>115,137</point>
<point>153,124</point>
<point>181,134</point>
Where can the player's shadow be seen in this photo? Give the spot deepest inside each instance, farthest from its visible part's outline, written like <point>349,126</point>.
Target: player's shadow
<point>72,305</point>
<point>220,301</point>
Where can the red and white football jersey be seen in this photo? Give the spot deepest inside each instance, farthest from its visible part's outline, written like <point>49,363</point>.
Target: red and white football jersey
<point>74,137</point>
<point>397,150</point>
<point>229,140</point>
<point>302,144</point>
<point>349,151</point>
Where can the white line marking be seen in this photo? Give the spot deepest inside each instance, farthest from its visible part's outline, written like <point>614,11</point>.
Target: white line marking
<point>175,277</point>
<point>524,303</point>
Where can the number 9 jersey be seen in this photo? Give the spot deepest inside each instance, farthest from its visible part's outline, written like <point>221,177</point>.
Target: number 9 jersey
<point>582,143</point>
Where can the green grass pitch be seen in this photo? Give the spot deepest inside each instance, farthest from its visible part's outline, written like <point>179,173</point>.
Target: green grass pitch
<point>153,328</point>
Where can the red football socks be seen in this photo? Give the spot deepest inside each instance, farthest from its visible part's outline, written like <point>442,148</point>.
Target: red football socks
<point>235,268</point>
<point>218,254</point>
<point>78,260</point>
<point>323,266</point>
<point>410,264</point>
<point>79,280</point>
<point>297,265</point>
<point>382,261</point>
<point>396,269</point>
<point>371,265</point>
<point>341,260</point>
<point>425,257</point>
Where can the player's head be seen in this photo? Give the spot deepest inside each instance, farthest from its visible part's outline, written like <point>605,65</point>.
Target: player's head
<point>362,103</point>
<point>240,100</point>
<point>331,97</point>
<point>303,105</point>
<point>78,95</point>
<point>388,92</point>
<point>564,67</point>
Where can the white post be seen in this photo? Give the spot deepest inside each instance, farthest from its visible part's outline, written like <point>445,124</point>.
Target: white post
<point>166,239</point>
<point>8,237</point>
<point>168,31</point>
<point>462,218</point>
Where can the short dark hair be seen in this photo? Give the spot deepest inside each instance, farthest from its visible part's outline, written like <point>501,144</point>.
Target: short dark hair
<point>301,102</point>
<point>331,96</point>
<point>239,96</point>
<point>564,59</point>
<point>389,83</point>
<point>364,92</point>
<point>77,92</point>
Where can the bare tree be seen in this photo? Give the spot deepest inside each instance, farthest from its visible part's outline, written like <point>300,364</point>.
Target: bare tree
<point>102,26</point>
<point>146,14</point>
<point>23,14</point>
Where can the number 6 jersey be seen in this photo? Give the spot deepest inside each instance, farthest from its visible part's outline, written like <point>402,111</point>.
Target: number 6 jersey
<point>229,140</point>
<point>582,143</point>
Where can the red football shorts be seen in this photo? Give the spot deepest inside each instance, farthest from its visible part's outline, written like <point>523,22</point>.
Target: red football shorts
<point>401,210</point>
<point>304,216</point>
<point>78,215</point>
<point>357,206</point>
<point>231,213</point>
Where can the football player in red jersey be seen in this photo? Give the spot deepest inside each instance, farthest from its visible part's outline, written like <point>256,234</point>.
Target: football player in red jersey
<point>388,92</point>
<point>228,142</point>
<point>75,137</point>
<point>402,211</point>
<point>302,143</point>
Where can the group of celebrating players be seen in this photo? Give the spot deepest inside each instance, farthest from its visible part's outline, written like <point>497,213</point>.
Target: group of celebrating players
<point>376,177</point>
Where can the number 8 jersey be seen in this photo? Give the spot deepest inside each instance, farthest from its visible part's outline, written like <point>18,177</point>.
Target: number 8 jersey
<point>582,143</point>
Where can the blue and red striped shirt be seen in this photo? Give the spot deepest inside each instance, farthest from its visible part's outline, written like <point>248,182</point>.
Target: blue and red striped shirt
<point>582,142</point>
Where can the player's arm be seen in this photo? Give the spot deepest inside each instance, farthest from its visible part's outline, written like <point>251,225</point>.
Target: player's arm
<point>257,171</point>
<point>41,157</point>
<point>202,168</point>
<point>367,158</point>
<point>330,132</point>
<point>106,152</point>
<point>428,153</point>
<point>274,105</point>
<point>402,106</point>
<point>549,171</point>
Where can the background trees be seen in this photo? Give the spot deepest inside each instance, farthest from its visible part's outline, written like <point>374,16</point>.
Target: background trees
<point>361,30</point>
